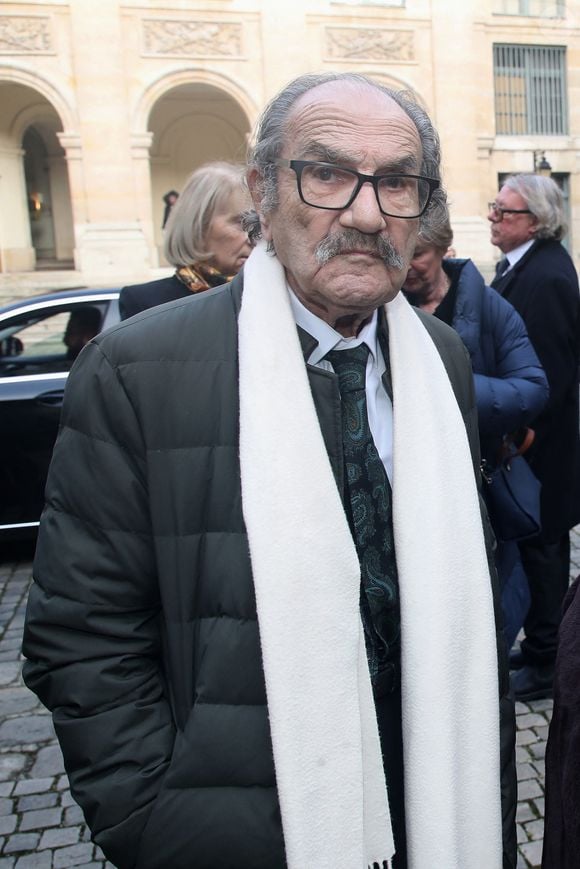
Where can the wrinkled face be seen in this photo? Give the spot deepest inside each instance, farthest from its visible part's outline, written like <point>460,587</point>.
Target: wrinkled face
<point>225,238</point>
<point>355,127</point>
<point>424,271</point>
<point>514,229</point>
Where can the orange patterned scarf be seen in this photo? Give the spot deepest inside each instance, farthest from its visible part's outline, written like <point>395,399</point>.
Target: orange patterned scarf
<point>199,277</point>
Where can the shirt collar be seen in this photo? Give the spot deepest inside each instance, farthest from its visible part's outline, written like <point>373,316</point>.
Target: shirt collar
<point>517,253</point>
<point>328,338</point>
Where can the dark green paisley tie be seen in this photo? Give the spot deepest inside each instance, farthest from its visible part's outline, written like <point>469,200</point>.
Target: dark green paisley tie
<point>369,510</point>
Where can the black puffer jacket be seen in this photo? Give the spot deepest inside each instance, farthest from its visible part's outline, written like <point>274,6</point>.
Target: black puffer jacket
<point>141,631</point>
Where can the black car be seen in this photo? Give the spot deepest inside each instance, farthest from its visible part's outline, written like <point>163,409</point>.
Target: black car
<point>40,338</point>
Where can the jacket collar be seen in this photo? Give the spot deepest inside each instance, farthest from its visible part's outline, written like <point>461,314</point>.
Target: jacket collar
<point>308,344</point>
<point>502,283</point>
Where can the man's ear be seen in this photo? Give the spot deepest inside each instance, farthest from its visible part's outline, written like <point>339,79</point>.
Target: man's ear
<point>533,226</point>
<point>254,180</point>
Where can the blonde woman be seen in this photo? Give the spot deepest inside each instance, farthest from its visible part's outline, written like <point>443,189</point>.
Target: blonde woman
<point>204,238</point>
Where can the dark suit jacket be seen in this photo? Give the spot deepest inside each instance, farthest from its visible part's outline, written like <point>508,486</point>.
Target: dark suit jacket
<point>139,297</point>
<point>562,818</point>
<point>543,288</point>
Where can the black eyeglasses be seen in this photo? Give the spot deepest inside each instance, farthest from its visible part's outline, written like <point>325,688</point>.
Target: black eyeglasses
<point>324,185</point>
<point>499,211</point>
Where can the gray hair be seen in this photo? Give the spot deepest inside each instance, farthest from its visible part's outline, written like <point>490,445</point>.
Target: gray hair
<point>435,230</point>
<point>544,199</point>
<point>271,132</point>
<point>205,192</point>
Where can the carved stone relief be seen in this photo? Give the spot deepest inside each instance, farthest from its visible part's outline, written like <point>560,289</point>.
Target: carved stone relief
<point>192,38</point>
<point>20,34</point>
<point>354,43</point>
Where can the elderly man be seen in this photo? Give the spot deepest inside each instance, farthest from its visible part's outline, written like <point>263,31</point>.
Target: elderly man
<point>539,279</point>
<point>252,635</point>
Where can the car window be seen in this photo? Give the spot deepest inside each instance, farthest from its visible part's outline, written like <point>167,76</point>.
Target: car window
<point>48,340</point>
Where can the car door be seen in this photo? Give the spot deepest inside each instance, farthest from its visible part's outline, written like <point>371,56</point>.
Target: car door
<point>38,345</point>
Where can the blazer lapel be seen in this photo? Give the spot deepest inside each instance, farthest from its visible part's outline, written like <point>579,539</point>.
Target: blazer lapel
<point>502,284</point>
<point>383,336</point>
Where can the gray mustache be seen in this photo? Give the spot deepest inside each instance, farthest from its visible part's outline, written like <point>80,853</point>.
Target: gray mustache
<point>338,243</point>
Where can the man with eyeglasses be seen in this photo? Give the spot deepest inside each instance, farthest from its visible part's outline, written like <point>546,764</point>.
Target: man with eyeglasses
<point>538,277</point>
<point>254,639</point>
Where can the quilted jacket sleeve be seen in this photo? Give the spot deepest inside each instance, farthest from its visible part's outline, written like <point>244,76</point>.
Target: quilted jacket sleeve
<point>513,389</point>
<point>92,630</point>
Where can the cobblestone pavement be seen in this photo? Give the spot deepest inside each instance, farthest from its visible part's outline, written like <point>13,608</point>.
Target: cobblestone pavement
<point>42,828</point>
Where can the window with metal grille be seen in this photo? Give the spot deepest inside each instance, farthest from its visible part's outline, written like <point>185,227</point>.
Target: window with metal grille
<point>530,90</point>
<point>538,8</point>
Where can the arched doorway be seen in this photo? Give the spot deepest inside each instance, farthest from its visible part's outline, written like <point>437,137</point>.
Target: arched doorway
<point>48,197</point>
<point>37,230</point>
<point>192,123</point>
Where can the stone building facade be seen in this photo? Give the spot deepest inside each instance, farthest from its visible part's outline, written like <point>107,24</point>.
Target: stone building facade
<point>106,106</point>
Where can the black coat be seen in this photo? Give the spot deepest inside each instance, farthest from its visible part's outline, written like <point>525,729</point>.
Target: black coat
<point>141,631</point>
<point>543,288</point>
<point>562,815</point>
<point>138,297</point>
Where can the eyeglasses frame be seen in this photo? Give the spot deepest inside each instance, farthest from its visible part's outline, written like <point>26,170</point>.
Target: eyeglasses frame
<point>497,209</point>
<point>298,165</point>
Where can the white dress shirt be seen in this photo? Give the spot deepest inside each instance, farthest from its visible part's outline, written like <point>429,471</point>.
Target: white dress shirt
<point>379,405</point>
<point>515,255</point>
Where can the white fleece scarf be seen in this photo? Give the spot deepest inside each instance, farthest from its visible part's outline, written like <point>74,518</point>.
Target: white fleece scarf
<point>325,740</point>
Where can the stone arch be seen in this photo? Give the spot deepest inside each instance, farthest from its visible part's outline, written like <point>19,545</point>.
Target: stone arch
<point>158,88</point>
<point>186,118</point>
<point>396,83</point>
<point>34,171</point>
<point>42,85</point>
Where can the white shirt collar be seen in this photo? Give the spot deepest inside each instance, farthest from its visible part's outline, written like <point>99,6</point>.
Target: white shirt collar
<point>327,337</point>
<point>517,253</point>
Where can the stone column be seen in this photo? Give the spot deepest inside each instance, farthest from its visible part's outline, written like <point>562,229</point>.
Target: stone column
<point>141,156</point>
<point>108,250</point>
<point>16,250</point>
<point>458,129</point>
<point>61,208</point>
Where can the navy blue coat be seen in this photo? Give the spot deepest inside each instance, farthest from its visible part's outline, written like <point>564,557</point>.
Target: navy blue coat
<point>510,385</point>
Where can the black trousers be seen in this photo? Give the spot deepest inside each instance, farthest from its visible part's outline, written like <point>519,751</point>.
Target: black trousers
<point>390,730</point>
<point>547,567</point>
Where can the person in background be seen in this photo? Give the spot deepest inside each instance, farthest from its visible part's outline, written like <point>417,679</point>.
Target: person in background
<point>169,199</point>
<point>204,239</point>
<point>83,324</point>
<point>537,276</point>
<point>510,386</point>
<point>251,638</point>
